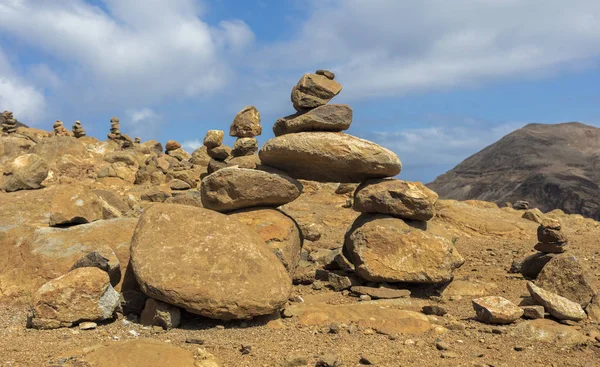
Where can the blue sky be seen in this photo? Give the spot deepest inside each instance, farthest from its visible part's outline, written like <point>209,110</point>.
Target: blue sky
<point>434,80</point>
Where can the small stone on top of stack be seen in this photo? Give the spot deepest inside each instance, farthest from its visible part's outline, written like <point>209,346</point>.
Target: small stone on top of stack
<point>245,126</point>
<point>219,153</point>
<point>78,130</point>
<point>9,123</point>
<point>550,238</point>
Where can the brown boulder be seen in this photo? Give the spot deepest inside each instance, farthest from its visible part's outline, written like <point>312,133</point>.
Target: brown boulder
<point>402,199</point>
<point>388,249</point>
<point>220,269</point>
<point>244,147</point>
<point>84,294</point>
<point>566,276</point>
<point>314,90</point>
<point>279,231</point>
<point>222,152</point>
<point>213,138</point>
<point>246,123</point>
<point>172,145</point>
<point>25,172</point>
<point>329,157</point>
<point>74,204</point>
<point>330,117</point>
<point>236,188</point>
<point>200,157</point>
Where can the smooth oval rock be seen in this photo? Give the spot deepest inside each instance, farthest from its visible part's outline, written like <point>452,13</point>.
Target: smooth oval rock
<point>83,294</point>
<point>496,310</point>
<point>234,188</point>
<point>387,249</point>
<point>331,117</point>
<point>402,199</point>
<point>329,157</point>
<point>213,138</point>
<point>207,263</point>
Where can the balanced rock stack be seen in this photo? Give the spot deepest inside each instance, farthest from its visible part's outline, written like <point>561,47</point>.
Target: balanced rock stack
<point>137,141</point>
<point>219,153</point>
<point>245,127</point>
<point>115,134</point>
<point>9,123</point>
<point>550,239</point>
<point>309,144</point>
<point>59,129</point>
<point>389,242</point>
<point>78,130</point>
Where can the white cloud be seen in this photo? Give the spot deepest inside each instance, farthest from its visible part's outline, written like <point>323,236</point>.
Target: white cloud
<point>392,47</point>
<point>143,123</point>
<point>191,145</point>
<point>18,95</point>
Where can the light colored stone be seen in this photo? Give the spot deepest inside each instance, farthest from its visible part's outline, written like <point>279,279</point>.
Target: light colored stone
<point>246,123</point>
<point>214,138</point>
<point>329,157</point>
<point>84,294</point>
<point>387,249</point>
<point>534,215</point>
<point>157,313</point>
<point>568,277</point>
<point>548,331</point>
<point>25,172</point>
<point>557,306</point>
<point>329,117</point>
<point>237,188</point>
<point>381,292</point>
<point>533,312</point>
<point>496,310</point>
<point>221,269</point>
<point>402,199</point>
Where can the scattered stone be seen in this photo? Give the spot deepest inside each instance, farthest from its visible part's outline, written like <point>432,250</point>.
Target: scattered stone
<point>26,172</point>
<point>313,91</point>
<point>214,138</point>
<point>87,325</point>
<point>368,359</point>
<point>381,292</point>
<point>236,188</point>
<point>329,157</point>
<point>566,276</point>
<point>496,310</point>
<point>311,231</point>
<point>440,345</point>
<point>402,199</point>
<point>557,306</point>
<point>534,215</point>
<point>532,265</point>
<point>548,331</point>
<point>84,294</point>
<point>338,282</point>
<point>387,249</point>
<point>328,360</point>
<point>244,147</point>
<point>449,355</point>
<point>160,314</point>
<point>197,270</point>
<point>331,117</point>
<point>521,205</point>
<point>533,312</point>
<point>172,145</point>
<point>194,341</point>
<point>246,123</point>
<point>177,184</point>
<point>434,310</point>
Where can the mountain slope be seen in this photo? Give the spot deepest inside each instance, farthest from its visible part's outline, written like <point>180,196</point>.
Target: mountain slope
<point>551,166</point>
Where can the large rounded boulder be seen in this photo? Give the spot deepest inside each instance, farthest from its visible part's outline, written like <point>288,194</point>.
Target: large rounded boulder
<point>388,249</point>
<point>237,188</point>
<point>207,263</point>
<point>329,157</point>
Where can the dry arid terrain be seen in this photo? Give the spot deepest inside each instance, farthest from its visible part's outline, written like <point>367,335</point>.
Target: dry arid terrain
<point>307,252</point>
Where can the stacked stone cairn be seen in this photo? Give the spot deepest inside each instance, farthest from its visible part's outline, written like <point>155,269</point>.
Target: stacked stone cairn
<point>115,134</point>
<point>78,130</point>
<point>550,239</point>
<point>9,123</point>
<point>216,150</point>
<point>245,127</point>
<point>59,129</point>
<point>137,141</point>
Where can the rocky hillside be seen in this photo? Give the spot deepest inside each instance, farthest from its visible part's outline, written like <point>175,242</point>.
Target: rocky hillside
<point>550,166</point>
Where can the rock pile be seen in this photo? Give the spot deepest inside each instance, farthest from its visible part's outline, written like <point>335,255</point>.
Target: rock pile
<point>137,140</point>
<point>9,123</point>
<point>115,135</point>
<point>550,238</point>
<point>59,129</point>
<point>78,130</point>
<point>219,153</point>
<point>245,127</point>
<point>310,145</point>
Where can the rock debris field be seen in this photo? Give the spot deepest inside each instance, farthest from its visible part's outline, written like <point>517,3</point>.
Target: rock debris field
<point>307,251</point>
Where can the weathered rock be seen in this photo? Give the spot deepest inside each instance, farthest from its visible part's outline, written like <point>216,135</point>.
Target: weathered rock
<point>149,147</point>
<point>346,188</point>
<point>179,154</point>
<point>381,292</point>
<point>548,331</point>
<point>330,157</point>
<point>557,306</point>
<point>312,231</point>
<point>246,123</point>
<point>326,73</point>
<point>221,269</point>
<point>534,215</point>
<point>107,262</point>
<point>496,310</point>
<point>593,309</point>
<point>387,249</point>
<point>214,138</point>
<point>177,184</point>
<point>25,172</point>
<point>314,90</point>
<point>215,165</point>
<point>325,118</point>
<point>533,312</point>
<point>338,282</point>
<point>160,314</point>
<point>279,231</point>
<point>566,276</point>
<point>532,265</point>
<point>551,248</point>
<point>236,188</point>
<point>74,204</point>
<point>191,197</point>
<point>550,235</point>
<point>142,352</point>
<point>172,145</point>
<point>200,157</point>
<point>155,195</point>
<point>222,152</point>
<point>521,205</point>
<point>402,199</point>
<point>244,147</point>
<point>469,288</point>
<point>84,294</point>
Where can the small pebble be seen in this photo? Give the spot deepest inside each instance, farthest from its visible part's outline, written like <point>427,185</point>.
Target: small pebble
<point>134,333</point>
<point>194,341</point>
<point>440,345</point>
<point>88,325</point>
<point>246,349</point>
<point>220,327</point>
<point>365,297</point>
<point>449,355</point>
<point>519,348</point>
